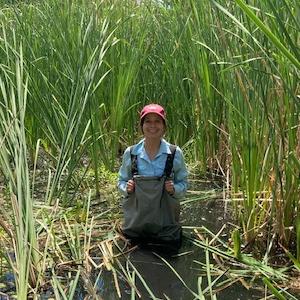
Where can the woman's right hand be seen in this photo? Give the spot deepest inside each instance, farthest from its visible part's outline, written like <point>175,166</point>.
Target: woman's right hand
<point>130,186</point>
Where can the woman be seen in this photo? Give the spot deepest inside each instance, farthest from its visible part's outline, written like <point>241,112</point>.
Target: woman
<point>152,179</point>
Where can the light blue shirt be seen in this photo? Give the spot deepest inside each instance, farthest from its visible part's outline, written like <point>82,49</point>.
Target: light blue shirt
<point>154,167</point>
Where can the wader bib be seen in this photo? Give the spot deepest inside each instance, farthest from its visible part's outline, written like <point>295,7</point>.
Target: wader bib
<point>150,211</point>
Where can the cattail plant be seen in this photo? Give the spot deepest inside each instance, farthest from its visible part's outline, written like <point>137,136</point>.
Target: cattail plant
<point>25,261</point>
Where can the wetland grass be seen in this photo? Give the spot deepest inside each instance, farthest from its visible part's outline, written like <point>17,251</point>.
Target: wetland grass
<point>73,75</point>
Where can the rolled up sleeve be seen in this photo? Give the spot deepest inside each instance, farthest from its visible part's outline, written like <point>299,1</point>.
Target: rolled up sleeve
<point>124,172</point>
<point>180,174</point>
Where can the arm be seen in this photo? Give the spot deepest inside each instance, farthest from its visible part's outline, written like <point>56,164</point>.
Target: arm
<point>180,174</point>
<point>125,173</point>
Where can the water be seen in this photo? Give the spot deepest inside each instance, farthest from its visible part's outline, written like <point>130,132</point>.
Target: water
<point>161,279</point>
<point>156,273</point>
<point>165,284</point>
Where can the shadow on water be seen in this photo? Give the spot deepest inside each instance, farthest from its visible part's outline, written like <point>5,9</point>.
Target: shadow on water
<point>160,278</point>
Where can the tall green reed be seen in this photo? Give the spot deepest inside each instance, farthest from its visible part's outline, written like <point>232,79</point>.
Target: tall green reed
<point>78,89</point>
<point>202,65</point>
<point>66,69</point>
<point>285,59</point>
<point>226,72</point>
<point>120,94</point>
<point>25,260</point>
<point>272,127</point>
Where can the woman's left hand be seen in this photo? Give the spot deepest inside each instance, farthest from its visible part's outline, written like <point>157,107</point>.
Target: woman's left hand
<point>169,187</point>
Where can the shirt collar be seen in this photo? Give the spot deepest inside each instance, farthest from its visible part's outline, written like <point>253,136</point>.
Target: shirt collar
<point>140,150</point>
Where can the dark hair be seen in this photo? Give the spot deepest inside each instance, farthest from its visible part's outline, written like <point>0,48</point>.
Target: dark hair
<point>143,120</point>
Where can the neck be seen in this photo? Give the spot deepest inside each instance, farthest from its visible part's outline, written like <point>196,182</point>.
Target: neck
<point>152,143</point>
<point>152,147</point>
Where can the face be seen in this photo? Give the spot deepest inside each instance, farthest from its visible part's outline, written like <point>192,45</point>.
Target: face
<point>154,126</point>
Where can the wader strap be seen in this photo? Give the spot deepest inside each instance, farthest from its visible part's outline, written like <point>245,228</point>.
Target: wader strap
<point>134,169</point>
<point>168,165</point>
<point>169,161</point>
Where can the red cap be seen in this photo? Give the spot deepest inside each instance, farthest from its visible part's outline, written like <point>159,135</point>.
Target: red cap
<point>153,108</point>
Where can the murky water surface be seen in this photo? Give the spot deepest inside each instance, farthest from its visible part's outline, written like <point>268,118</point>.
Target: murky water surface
<point>159,276</point>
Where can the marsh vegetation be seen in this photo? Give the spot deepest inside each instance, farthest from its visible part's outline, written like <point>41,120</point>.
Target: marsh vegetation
<point>73,75</point>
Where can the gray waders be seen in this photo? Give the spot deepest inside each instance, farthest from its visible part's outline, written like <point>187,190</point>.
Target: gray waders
<point>150,212</point>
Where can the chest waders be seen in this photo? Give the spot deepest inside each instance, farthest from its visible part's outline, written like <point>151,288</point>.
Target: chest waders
<point>150,212</point>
